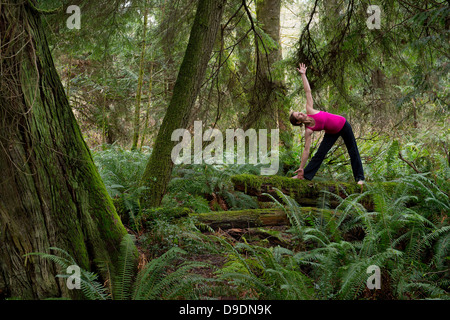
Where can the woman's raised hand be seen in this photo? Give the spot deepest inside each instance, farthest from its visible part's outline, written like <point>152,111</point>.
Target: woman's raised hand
<point>302,68</point>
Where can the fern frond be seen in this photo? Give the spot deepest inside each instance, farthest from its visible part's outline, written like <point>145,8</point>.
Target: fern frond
<point>152,273</point>
<point>92,289</point>
<point>126,268</point>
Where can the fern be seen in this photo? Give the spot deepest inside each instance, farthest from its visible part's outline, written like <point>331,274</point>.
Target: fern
<point>391,155</point>
<point>154,281</point>
<point>206,182</point>
<point>126,268</point>
<point>293,211</point>
<point>397,238</point>
<point>271,272</point>
<point>92,289</point>
<point>121,171</point>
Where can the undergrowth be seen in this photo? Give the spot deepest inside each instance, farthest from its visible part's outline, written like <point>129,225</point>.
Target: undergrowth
<point>168,276</point>
<point>406,233</point>
<point>408,243</point>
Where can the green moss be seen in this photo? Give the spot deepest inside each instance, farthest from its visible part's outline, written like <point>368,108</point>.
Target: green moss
<point>256,217</point>
<point>120,207</point>
<point>306,192</point>
<point>290,185</point>
<point>229,215</point>
<point>165,213</point>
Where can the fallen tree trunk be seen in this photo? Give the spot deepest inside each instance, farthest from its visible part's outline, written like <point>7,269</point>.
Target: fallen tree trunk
<point>251,218</point>
<point>304,192</point>
<point>247,218</point>
<point>242,218</point>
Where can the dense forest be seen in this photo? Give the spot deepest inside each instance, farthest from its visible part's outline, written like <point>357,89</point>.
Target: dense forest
<point>147,150</point>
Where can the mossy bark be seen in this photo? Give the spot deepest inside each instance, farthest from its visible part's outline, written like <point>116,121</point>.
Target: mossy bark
<point>249,218</point>
<point>51,193</point>
<point>192,70</point>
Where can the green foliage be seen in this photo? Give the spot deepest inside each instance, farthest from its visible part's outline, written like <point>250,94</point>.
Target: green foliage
<point>385,157</point>
<point>397,83</point>
<point>397,238</point>
<point>91,288</point>
<point>125,270</point>
<point>161,278</point>
<point>201,188</point>
<point>270,272</point>
<point>155,282</point>
<point>375,78</point>
<point>390,157</point>
<point>205,187</point>
<point>163,234</point>
<point>121,171</point>
<point>406,235</point>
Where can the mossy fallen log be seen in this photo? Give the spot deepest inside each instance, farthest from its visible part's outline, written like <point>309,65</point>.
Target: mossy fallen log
<point>242,218</point>
<point>251,218</point>
<point>304,192</point>
<point>248,218</point>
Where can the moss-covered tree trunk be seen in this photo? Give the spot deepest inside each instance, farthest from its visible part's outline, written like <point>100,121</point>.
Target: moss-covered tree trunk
<point>50,191</point>
<point>250,218</point>
<point>190,77</point>
<point>305,192</point>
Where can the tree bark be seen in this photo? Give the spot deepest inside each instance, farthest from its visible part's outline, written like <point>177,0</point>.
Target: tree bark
<point>249,218</point>
<point>137,110</point>
<point>242,218</point>
<point>50,193</point>
<point>266,107</point>
<point>192,70</point>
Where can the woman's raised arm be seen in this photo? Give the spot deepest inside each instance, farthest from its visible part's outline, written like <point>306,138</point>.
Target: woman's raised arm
<point>309,100</point>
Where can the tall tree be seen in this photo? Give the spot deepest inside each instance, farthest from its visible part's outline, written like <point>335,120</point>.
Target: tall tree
<point>266,105</point>
<point>192,71</point>
<point>137,111</point>
<point>50,193</point>
<point>390,66</point>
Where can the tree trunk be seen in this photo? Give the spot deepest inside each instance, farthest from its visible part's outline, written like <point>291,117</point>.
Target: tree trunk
<point>137,110</point>
<point>192,70</point>
<point>251,218</point>
<point>167,28</point>
<point>266,107</point>
<point>50,193</point>
<point>304,192</point>
<point>149,105</point>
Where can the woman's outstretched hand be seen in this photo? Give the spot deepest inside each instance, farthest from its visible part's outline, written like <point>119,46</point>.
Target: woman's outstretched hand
<point>299,175</point>
<point>302,68</point>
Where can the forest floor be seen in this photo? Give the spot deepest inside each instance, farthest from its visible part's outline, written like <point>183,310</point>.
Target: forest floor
<point>216,260</point>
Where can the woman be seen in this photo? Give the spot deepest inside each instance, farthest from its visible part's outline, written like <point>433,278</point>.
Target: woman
<point>334,126</point>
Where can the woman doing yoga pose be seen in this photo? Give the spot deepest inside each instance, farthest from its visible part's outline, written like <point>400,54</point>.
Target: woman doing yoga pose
<point>335,126</point>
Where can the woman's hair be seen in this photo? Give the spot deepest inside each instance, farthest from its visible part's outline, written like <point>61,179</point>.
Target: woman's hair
<point>294,120</point>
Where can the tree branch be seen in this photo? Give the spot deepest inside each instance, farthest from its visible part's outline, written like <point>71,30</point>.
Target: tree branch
<point>408,162</point>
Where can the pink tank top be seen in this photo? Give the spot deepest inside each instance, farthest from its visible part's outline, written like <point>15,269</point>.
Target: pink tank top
<point>329,122</point>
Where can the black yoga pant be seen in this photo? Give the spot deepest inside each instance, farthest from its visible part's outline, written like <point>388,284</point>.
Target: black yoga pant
<point>328,141</point>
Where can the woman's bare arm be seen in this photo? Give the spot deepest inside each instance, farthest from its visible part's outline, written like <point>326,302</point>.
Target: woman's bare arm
<point>305,154</point>
<point>309,100</point>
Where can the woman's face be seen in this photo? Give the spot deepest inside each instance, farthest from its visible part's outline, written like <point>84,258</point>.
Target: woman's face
<point>300,116</point>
